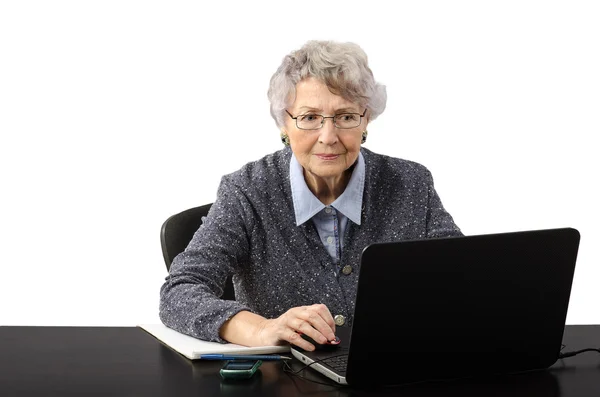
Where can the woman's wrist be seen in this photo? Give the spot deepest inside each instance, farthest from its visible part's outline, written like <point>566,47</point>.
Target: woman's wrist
<point>244,328</point>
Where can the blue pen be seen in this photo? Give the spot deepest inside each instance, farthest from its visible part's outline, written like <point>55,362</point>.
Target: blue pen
<point>263,357</point>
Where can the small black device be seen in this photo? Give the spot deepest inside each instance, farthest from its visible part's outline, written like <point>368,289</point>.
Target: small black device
<point>329,345</point>
<point>240,369</point>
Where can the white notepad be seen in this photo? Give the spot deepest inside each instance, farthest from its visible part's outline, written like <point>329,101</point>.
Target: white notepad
<point>193,348</point>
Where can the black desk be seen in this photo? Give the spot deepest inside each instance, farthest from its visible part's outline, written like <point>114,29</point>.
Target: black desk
<point>127,361</point>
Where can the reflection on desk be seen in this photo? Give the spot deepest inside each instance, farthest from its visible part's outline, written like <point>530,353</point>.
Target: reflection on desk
<point>126,361</point>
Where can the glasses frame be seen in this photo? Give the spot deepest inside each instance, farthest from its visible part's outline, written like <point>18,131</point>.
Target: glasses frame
<point>328,117</point>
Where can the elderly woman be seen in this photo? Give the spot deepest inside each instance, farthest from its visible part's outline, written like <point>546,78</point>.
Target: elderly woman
<point>291,226</point>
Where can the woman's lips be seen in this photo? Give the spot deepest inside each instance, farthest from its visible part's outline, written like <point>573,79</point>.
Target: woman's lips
<point>327,157</point>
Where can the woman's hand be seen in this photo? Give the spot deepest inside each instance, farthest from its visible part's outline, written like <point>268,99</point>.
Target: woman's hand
<point>249,329</point>
<point>315,321</point>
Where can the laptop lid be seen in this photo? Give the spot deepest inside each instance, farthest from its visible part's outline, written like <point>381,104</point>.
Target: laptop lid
<point>457,307</point>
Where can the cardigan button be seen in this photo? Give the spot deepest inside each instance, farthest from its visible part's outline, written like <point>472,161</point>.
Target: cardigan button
<point>339,320</point>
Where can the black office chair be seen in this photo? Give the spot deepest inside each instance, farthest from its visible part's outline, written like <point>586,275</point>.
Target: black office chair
<point>176,233</point>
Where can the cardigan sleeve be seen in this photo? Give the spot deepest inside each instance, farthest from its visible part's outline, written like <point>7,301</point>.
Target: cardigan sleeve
<point>190,296</point>
<point>439,222</point>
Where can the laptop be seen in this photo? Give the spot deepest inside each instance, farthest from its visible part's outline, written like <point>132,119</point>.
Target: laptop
<point>456,307</point>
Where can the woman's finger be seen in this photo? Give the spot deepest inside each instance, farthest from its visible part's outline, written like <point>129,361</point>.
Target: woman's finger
<point>326,315</point>
<point>313,333</point>
<point>319,318</point>
<point>295,338</point>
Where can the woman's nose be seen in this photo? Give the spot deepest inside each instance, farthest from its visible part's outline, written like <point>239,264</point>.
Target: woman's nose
<point>328,133</point>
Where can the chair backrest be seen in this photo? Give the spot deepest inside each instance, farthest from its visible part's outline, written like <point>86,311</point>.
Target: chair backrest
<point>176,233</point>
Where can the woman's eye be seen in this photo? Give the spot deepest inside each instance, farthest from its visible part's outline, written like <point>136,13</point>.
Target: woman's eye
<point>309,117</point>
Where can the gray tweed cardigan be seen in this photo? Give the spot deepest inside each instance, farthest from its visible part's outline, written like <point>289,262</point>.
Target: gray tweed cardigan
<point>250,232</point>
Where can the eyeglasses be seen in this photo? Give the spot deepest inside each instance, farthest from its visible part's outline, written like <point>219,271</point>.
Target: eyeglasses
<point>311,121</point>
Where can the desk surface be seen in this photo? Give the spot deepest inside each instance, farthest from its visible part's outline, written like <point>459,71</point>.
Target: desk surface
<point>127,361</point>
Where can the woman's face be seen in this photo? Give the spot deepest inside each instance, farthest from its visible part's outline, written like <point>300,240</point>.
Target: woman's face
<point>328,151</point>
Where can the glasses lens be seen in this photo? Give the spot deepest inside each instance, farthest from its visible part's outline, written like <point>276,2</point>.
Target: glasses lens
<point>309,121</point>
<point>347,120</point>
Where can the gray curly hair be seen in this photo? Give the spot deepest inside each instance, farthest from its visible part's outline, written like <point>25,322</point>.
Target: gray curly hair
<point>343,67</point>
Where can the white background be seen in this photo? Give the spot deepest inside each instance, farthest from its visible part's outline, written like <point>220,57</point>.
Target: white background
<point>116,114</point>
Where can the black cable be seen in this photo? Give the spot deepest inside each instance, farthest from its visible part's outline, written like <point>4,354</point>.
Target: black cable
<point>574,353</point>
<point>293,377</point>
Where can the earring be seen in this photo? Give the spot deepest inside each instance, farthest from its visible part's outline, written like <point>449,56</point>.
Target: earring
<point>364,136</point>
<point>285,139</point>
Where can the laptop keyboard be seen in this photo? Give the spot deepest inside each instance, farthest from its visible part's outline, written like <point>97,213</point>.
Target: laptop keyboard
<point>338,363</point>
